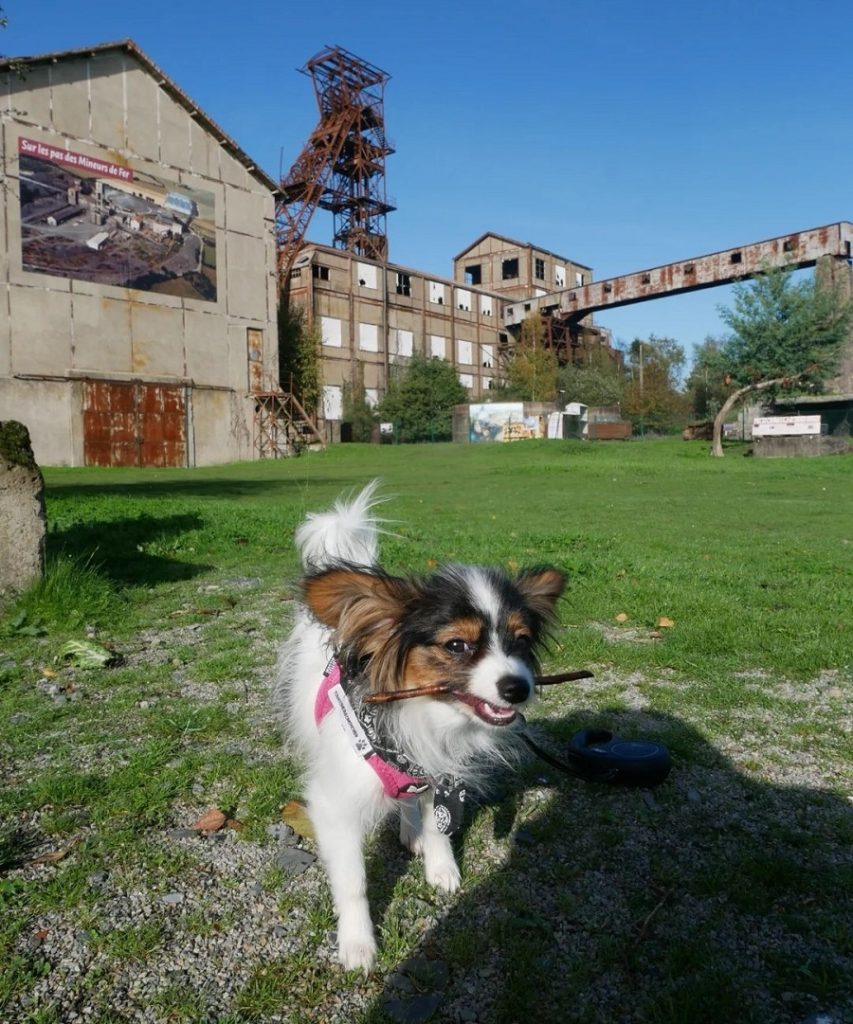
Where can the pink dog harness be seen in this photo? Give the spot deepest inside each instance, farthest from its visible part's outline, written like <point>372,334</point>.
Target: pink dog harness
<point>332,697</point>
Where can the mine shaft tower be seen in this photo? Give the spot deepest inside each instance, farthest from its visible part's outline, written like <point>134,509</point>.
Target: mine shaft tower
<point>342,166</point>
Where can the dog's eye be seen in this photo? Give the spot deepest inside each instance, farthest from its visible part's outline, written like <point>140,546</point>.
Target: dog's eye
<point>523,641</point>
<point>459,646</point>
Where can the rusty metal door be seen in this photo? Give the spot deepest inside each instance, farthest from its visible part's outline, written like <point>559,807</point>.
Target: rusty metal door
<point>133,424</point>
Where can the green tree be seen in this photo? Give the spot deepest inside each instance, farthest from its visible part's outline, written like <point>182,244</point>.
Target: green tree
<point>594,385</point>
<point>356,408</point>
<point>706,386</point>
<point>531,375</point>
<point>299,363</point>
<point>785,334</point>
<point>653,397</point>
<point>420,399</point>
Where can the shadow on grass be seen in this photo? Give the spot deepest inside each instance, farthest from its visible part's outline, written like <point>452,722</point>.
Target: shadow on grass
<point>117,548</point>
<point>712,898</point>
<point>220,486</point>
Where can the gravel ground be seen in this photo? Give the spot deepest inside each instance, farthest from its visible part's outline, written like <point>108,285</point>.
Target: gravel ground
<point>575,921</point>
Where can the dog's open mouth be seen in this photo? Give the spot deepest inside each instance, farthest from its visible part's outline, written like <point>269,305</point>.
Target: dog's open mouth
<point>491,714</point>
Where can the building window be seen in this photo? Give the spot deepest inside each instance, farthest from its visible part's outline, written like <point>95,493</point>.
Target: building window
<point>366,275</point>
<point>319,273</point>
<point>486,305</point>
<point>737,257</point>
<point>539,269</point>
<point>437,346</point>
<point>436,292</point>
<point>487,356</point>
<point>368,337</point>
<point>466,380</point>
<point>578,280</point>
<point>404,342</point>
<point>330,331</point>
<point>296,274</point>
<point>463,299</point>
<point>404,284</point>
<point>332,402</point>
<point>474,274</point>
<point>464,352</point>
<point>560,277</point>
<point>509,269</point>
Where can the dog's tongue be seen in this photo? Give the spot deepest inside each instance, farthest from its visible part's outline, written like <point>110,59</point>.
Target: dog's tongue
<point>491,714</point>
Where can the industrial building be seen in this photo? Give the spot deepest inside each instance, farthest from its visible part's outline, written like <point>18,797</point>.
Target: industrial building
<point>137,255</point>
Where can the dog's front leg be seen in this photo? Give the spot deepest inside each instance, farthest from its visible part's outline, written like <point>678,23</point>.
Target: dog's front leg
<point>419,833</point>
<point>340,833</point>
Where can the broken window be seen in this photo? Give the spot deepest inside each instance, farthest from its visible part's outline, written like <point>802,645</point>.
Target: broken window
<point>333,403</point>
<point>788,245</point>
<point>486,305</point>
<point>736,257</point>
<point>464,352</point>
<point>509,269</point>
<point>487,355</point>
<point>474,274</point>
<point>404,284</point>
<point>319,273</point>
<point>436,292</point>
<point>405,342</point>
<point>560,277</point>
<point>296,274</point>
<point>366,275</point>
<point>578,280</point>
<point>466,380</point>
<point>463,299</point>
<point>539,269</point>
<point>437,346</point>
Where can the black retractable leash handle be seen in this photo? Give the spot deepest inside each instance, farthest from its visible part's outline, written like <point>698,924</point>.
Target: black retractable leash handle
<point>596,755</point>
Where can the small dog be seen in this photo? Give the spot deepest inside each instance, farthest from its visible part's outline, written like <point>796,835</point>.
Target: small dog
<point>362,637</point>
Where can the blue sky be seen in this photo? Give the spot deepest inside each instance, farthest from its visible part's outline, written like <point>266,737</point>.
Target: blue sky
<point>620,134</point>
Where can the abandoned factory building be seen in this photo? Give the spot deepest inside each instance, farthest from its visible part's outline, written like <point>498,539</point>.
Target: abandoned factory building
<point>137,250</point>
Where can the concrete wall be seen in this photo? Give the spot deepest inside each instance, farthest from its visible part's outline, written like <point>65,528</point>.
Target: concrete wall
<point>490,252</point>
<point>56,331</point>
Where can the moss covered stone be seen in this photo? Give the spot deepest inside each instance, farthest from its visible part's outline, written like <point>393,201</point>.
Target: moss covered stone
<point>15,446</point>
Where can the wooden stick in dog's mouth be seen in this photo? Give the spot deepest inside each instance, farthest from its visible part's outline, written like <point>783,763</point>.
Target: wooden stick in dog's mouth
<point>443,689</point>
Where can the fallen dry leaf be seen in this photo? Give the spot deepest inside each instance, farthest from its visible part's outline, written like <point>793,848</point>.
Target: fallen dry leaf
<point>236,824</point>
<point>212,821</point>
<point>665,623</point>
<point>54,856</point>
<point>294,814</point>
<point>48,673</point>
<point>621,617</point>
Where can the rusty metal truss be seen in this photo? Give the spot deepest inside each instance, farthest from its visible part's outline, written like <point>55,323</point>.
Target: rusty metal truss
<point>342,166</point>
<point>282,427</point>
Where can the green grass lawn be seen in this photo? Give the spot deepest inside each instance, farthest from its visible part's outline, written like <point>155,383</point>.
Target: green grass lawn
<point>717,899</point>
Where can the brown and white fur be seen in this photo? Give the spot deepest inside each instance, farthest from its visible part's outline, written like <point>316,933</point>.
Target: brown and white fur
<point>472,628</point>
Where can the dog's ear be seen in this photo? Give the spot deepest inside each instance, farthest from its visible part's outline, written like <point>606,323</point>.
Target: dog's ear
<point>357,602</point>
<point>541,588</point>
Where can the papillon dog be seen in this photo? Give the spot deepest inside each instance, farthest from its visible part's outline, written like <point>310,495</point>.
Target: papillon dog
<point>362,640</point>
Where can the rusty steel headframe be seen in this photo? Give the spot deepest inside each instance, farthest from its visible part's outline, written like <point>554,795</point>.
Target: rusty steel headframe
<point>342,166</point>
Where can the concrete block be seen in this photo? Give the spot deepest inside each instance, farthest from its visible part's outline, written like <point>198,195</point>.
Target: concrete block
<point>174,132</point>
<point>70,98</point>
<point>45,407</point>
<point>41,330</point>
<point>106,73</point>
<point>23,524</point>
<point>809,445</point>
<point>143,136</point>
<point>157,346</point>
<point>245,281</point>
<point>204,153</point>
<point>206,350</point>
<point>101,334</point>
<point>233,172</point>
<point>29,96</point>
<point>244,211</point>
<point>222,426</point>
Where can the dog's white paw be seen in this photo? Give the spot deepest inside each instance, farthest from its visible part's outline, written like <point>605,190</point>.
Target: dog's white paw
<point>442,874</point>
<point>357,952</point>
<point>411,838</point>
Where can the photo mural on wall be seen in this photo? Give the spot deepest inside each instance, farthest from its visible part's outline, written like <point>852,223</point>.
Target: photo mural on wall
<point>96,220</point>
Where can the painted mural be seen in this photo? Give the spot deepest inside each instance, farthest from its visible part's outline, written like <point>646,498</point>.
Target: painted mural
<point>96,220</point>
<point>502,421</point>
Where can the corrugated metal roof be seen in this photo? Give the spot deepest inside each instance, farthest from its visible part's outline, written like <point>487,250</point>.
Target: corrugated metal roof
<point>164,81</point>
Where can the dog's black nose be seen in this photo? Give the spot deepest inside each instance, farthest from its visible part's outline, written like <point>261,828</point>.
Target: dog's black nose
<point>513,689</point>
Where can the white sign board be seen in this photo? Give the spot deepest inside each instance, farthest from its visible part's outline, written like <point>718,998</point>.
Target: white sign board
<point>785,426</point>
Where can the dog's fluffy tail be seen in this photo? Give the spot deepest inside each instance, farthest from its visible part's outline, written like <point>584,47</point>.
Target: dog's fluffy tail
<point>349,532</point>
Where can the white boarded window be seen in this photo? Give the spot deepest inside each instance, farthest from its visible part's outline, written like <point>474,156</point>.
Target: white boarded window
<point>560,277</point>
<point>538,292</point>
<point>487,352</point>
<point>463,299</point>
<point>436,292</point>
<point>466,380</point>
<point>366,275</point>
<point>486,305</point>
<point>578,280</point>
<point>403,342</point>
<point>330,331</point>
<point>332,402</point>
<point>464,352</point>
<point>488,383</point>
<point>437,346</point>
<point>371,396</point>
<point>368,337</point>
